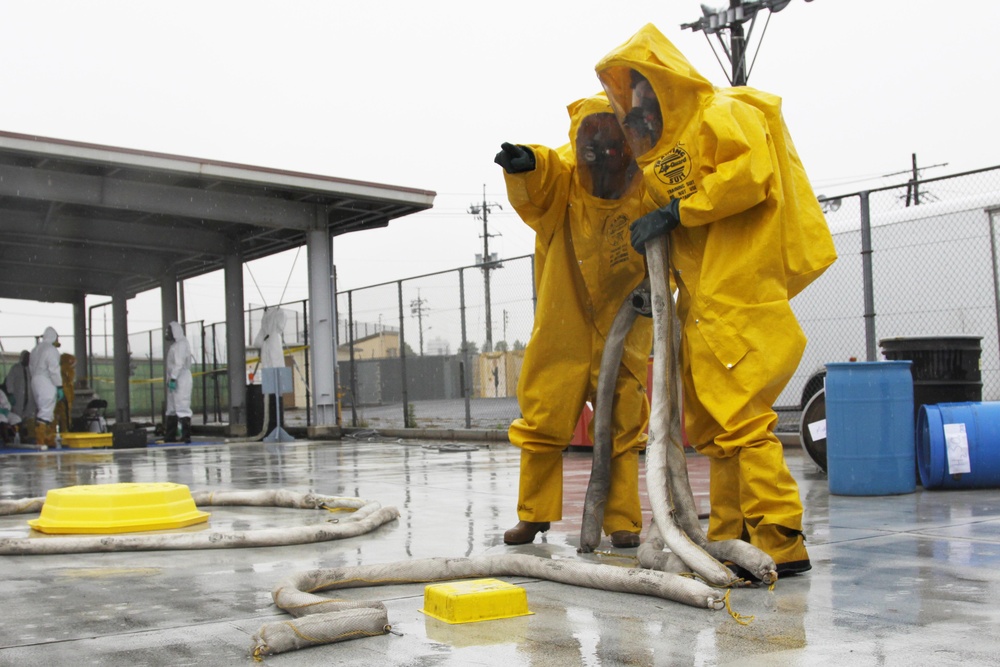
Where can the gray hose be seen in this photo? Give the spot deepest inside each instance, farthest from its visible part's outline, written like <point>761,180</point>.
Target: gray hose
<point>318,629</point>
<point>339,620</point>
<point>664,402</point>
<point>651,554</point>
<point>298,591</point>
<point>667,415</point>
<point>365,517</point>
<point>600,475</point>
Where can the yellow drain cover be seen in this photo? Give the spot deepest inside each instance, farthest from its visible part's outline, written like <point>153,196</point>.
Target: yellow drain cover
<point>118,508</point>
<point>87,440</point>
<point>478,600</point>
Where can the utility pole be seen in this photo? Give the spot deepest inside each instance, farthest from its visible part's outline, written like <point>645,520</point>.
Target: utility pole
<point>913,185</point>
<point>717,21</point>
<point>487,262</point>
<point>914,182</point>
<point>417,307</point>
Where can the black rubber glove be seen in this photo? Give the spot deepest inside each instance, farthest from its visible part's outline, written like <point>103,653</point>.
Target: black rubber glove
<point>515,159</point>
<point>655,223</point>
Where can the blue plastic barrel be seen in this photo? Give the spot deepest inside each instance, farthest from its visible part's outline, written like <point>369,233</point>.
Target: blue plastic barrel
<point>978,447</point>
<point>870,447</point>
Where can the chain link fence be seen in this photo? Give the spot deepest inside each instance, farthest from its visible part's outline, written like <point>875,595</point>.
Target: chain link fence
<point>435,352</point>
<point>432,351</point>
<point>914,261</point>
<point>209,367</point>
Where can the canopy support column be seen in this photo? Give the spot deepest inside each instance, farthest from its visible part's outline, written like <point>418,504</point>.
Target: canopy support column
<point>322,328</point>
<point>236,352</point>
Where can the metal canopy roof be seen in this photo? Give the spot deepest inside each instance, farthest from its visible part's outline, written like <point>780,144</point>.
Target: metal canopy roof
<point>80,219</point>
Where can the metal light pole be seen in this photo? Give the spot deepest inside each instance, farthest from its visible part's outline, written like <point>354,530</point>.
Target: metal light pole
<point>718,21</point>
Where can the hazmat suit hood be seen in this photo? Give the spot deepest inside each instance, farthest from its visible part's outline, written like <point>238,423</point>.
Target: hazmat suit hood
<point>49,336</point>
<point>653,89</point>
<point>269,338</point>
<point>726,153</point>
<point>605,167</point>
<point>176,331</point>
<point>273,321</point>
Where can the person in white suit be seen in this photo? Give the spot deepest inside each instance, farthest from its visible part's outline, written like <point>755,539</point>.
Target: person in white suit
<point>179,384</point>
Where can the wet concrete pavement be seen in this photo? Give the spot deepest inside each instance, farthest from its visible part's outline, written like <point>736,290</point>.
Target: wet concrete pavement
<point>897,580</point>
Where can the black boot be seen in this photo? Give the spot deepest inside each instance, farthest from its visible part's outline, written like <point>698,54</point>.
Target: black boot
<point>170,429</point>
<point>185,429</point>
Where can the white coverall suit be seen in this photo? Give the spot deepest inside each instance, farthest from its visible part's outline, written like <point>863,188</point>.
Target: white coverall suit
<point>269,339</point>
<point>19,391</point>
<point>46,375</point>
<point>179,369</point>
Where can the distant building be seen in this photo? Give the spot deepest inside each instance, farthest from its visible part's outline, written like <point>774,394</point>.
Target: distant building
<point>498,373</point>
<point>438,347</point>
<point>381,345</point>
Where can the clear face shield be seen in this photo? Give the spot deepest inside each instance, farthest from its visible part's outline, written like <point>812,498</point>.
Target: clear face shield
<point>604,159</point>
<point>636,106</point>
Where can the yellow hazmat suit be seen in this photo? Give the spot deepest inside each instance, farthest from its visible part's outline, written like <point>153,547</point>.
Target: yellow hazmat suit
<point>751,236</point>
<point>579,200</point>
<point>63,414</point>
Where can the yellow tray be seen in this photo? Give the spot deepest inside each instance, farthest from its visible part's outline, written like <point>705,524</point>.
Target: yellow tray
<point>118,508</point>
<point>87,440</point>
<point>477,600</point>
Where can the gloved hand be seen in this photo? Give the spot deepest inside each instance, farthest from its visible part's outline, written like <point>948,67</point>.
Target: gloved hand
<point>60,394</point>
<point>172,385</point>
<point>515,159</point>
<point>655,223</point>
<point>4,412</point>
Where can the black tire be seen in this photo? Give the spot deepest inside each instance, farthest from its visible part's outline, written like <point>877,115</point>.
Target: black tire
<point>814,414</point>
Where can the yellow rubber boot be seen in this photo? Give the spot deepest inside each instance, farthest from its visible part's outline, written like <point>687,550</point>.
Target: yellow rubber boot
<point>786,546</point>
<point>27,430</point>
<point>42,433</point>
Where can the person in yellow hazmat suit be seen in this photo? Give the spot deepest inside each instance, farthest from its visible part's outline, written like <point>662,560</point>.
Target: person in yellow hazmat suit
<point>64,407</point>
<point>579,200</point>
<point>722,178</point>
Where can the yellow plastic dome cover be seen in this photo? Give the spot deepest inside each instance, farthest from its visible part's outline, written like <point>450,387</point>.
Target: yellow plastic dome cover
<point>118,508</point>
<point>472,601</point>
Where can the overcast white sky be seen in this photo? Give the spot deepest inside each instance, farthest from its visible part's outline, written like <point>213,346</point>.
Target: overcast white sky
<point>421,94</point>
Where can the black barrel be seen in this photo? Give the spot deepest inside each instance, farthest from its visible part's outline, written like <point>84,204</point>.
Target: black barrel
<point>946,369</point>
<point>255,410</point>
